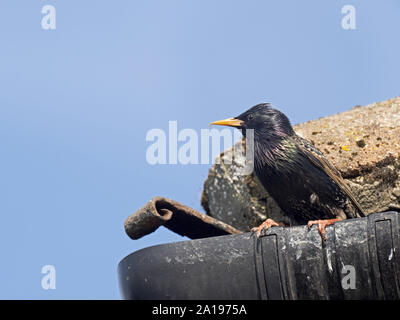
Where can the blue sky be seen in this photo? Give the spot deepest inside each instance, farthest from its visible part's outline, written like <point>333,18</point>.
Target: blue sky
<point>76,104</point>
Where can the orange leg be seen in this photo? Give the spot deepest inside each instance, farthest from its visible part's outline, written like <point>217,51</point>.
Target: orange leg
<point>265,226</point>
<point>321,225</point>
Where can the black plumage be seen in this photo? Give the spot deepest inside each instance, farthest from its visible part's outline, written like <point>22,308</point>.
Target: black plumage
<point>304,184</point>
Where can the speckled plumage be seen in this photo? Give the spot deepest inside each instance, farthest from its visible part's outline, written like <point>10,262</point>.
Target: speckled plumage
<point>294,172</point>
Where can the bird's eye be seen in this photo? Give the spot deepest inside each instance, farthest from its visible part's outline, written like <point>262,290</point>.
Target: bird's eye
<point>250,117</point>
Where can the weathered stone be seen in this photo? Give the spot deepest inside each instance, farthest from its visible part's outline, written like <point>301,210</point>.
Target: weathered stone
<point>363,143</point>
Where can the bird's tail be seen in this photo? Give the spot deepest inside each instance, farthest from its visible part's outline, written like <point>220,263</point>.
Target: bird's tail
<point>360,212</point>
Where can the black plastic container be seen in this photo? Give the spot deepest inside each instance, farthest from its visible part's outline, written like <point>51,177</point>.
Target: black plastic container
<point>359,260</point>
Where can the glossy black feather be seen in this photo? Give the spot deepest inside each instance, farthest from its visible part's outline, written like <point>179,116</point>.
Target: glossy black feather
<point>294,172</point>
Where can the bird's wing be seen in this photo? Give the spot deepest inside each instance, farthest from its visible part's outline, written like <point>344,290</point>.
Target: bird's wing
<point>319,160</point>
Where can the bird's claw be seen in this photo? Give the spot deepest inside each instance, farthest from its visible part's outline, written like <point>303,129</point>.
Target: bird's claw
<point>322,225</point>
<point>265,226</point>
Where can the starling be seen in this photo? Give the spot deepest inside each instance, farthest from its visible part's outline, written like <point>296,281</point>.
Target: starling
<point>305,185</point>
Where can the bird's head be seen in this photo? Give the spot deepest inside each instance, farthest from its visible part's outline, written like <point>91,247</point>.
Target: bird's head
<point>267,122</point>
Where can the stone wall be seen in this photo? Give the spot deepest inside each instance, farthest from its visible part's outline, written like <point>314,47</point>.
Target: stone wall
<point>363,143</point>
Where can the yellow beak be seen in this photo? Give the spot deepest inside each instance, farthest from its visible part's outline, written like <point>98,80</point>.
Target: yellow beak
<point>232,122</point>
